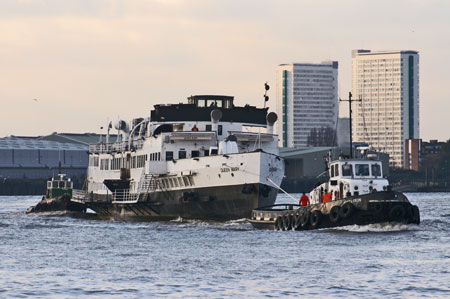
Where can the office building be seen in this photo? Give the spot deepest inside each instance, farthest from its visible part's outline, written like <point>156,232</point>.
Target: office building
<point>413,149</point>
<point>388,85</point>
<point>307,103</point>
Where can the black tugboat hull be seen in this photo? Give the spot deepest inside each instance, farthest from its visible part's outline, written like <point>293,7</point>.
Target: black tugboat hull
<point>57,204</point>
<point>214,203</point>
<point>377,207</point>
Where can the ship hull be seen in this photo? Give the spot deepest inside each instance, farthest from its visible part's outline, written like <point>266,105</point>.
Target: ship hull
<point>210,203</point>
<point>376,207</point>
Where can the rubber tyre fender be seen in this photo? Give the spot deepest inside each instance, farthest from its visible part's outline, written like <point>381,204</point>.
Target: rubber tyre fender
<point>335,215</point>
<point>284,223</point>
<point>315,219</point>
<point>416,214</point>
<point>377,208</point>
<point>397,212</point>
<point>298,223</point>
<point>277,225</point>
<point>304,219</point>
<point>346,210</point>
<point>291,220</point>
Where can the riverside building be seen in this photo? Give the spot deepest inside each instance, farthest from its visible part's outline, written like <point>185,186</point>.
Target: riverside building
<point>388,85</point>
<point>307,99</point>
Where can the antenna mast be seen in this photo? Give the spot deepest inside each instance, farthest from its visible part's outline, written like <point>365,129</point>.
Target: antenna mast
<point>350,114</point>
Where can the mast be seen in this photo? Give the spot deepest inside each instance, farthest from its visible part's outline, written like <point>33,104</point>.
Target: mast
<point>350,115</point>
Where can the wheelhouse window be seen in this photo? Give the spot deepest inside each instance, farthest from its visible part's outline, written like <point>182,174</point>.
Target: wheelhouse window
<point>201,103</point>
<point>362,169</point>
<point>376,170</point>
<point>336,172</point>
<point>169,156</point>
<point>181,154</point>
<point>195,154</point>
<point>347,170</point>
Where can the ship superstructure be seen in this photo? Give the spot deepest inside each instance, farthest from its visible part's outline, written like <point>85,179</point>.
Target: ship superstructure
<point>206,159</point>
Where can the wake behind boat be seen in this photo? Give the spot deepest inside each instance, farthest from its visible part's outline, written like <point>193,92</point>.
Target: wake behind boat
<point>207,159</point>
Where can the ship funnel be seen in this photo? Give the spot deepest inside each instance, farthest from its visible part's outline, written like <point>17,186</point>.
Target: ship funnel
<point>216,115</point>
<point>271,119</point>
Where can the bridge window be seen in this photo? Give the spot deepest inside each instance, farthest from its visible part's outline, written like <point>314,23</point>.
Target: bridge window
<point>376,170</point>
<point>362,169</point>
<point>347,170</point>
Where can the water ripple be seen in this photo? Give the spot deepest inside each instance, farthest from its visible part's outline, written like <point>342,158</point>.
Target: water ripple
<point>70,257</point>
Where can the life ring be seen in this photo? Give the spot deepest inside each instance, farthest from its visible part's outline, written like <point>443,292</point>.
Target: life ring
<point>304,219</point>
<point>277,223</point>
<point>334,214</point>
<point>315,219</point>
<point>346,210</point>
<point>397,212</point>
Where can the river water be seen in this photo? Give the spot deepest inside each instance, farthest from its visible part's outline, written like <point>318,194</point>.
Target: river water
<point>65,257</point>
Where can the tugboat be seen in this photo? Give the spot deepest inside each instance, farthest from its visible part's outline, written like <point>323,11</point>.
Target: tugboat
<point>58,197</point>
<point>205,159</point>
<point>356,192</point>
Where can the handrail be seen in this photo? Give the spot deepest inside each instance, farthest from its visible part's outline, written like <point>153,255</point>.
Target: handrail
<point>99,148</point>
<point>124,196</point>
<point>78,195</point>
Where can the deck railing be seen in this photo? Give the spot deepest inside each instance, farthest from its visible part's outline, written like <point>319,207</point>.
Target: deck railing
<point>79,195</point>
<point>101,147</point>
<point>124,196</point>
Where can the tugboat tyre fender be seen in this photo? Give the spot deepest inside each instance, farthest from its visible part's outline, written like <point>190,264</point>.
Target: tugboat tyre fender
<point>335,214</point>
<point>377,208</point>
<point>346,210</point>
<point>278,221</point>
<point>397,212</point>
<point>285,223</point>
<point>291,221</point>
<point>416,214</point>
<point>304,219</point>
<point>315,219</point>
<point>298,222</point>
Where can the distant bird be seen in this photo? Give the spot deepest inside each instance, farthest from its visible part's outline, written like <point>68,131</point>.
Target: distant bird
<point>35,100</point>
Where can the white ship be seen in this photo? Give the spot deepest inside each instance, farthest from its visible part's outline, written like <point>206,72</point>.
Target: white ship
<point>206,159</point>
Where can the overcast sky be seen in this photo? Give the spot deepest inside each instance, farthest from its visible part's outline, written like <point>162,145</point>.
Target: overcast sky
<point>69,66</point>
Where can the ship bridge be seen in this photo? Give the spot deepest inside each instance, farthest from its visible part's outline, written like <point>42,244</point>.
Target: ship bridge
<point>199,107</point>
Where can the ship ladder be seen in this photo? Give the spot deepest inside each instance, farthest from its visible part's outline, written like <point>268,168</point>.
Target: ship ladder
<point>147,184</point>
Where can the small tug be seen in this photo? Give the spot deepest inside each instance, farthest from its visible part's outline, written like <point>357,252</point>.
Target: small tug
<point>58,197</point>
<point>355,193</point>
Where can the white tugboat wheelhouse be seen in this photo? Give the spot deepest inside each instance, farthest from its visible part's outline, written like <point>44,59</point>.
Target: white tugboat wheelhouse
<point>206,159</point>
<point>351,177</point>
